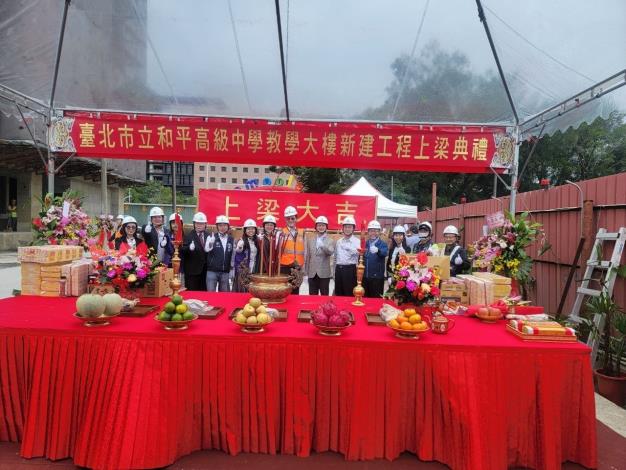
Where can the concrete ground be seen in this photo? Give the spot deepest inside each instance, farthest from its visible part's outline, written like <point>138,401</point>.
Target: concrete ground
<point>611,430</point>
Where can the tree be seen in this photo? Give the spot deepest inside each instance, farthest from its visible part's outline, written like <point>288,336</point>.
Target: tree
<point>441,86</point>
<point>153,192</point>
<point>590,151</point>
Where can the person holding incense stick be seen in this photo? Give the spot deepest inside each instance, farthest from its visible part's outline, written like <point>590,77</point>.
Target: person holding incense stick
<point>270,244</point>
<point>246,253</point>
<point>176,234</point>
<point>318,251</point>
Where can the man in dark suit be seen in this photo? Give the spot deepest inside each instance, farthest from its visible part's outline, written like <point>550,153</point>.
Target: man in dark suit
<point>156,235</point>
<point>194,253</point>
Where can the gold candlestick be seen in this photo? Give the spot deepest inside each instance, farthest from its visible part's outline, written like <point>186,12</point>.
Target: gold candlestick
<point>358,290</point>
<point>175,283</point>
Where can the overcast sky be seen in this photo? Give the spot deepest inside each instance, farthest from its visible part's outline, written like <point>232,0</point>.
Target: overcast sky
<point>339,52</point>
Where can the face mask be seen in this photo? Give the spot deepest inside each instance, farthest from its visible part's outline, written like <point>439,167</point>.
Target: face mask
<point>422,235</point>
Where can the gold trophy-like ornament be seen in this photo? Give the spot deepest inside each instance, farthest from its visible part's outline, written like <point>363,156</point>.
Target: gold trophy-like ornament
<point>175,283</point>
<point>358,290</point>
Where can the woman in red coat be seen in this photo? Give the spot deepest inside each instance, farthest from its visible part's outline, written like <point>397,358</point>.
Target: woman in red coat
<point>129,241</point>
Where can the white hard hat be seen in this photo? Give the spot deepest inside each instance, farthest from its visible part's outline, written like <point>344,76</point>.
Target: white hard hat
<point>321,220</point>
<point>199,217</point>
<point>374,224</point>
<point>156,211</point>
<point>451,229</point>
<point>398,229</point>
<point>348,220</point>
<point>269,219</point>
<point>121,216</point>
<point>221,219</point>
<point>173,217</point>
<point>290,211</point>
<point>425,224</point>
<point>249,223</point>
<point>129,219</point>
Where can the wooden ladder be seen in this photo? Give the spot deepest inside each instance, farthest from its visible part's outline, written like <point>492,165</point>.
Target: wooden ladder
<point>595,262</point>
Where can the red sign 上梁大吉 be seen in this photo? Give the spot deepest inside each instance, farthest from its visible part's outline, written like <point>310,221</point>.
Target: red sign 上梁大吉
<point>240,205</point>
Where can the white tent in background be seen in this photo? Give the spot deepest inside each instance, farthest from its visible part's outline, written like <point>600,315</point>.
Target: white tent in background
<point>385,207</point>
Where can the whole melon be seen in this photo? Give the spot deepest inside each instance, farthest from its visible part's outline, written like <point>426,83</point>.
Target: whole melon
<point>89,305</point>
<point>114,304</point>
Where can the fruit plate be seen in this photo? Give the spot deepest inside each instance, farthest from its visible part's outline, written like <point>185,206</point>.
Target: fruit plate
<point>176,325</point>
<point>374,318</point>
<point>305,316</point>
<point>407,334</point>
<point>330,330</point>
<point>140,310</point>
<point>211,314</point>
<point>281,316</point>
<point>102,320</point>
<point>252,327</point>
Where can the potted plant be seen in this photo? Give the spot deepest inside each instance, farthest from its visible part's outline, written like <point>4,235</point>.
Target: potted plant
<point>610,374</point>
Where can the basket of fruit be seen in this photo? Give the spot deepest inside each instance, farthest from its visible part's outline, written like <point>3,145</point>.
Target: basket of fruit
<point>253,317</point>
<point>489,314</point>
<point>409,324</point>
<point>175,314</point>
<point>329,320</point>
<point>97,310</point>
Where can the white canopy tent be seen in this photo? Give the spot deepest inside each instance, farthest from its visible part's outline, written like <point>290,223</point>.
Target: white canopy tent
<point>384,207</point>
<point>536,67</point>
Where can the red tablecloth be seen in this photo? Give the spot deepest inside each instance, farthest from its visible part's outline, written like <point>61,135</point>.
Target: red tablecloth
<point>133,395</point>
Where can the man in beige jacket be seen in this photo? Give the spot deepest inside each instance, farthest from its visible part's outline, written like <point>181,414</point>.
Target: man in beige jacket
<point>318,250</point>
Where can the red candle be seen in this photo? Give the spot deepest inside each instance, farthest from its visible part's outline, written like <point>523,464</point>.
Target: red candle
<point>363,236</point>
<point>179,228</point>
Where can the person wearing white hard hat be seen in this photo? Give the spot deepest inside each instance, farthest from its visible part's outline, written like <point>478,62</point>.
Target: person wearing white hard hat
<point>156,236</point>
<point>219,250</point>
<point>411,237</point>
<point>346,258</point>
<point>317,253</point>
<point>117,228</point>
<point>397,248</point>
<point>172,228</point>
<point>292,252</point>
<point>268,261</point>
<point>458,256</point>
<point>425,234</point>
<point>374,259</point>
<point>246,252</point>
<point>129,242</point>
<point>194,256</point>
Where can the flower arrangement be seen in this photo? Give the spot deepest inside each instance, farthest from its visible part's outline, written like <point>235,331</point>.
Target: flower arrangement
<point>126,271</point>
<point>504,249</point>
<point>413,282</point>
<point>52,227</point>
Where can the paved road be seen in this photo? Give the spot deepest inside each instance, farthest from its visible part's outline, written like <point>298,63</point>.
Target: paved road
<point>9,273</point>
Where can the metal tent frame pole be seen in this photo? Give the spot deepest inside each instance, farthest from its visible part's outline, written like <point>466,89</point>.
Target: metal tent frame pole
<point>282,59</point>
<point>57,61</point>
<point>515,166</point>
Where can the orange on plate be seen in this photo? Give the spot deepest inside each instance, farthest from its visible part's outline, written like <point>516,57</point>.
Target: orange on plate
<point>394,323</point>
<point>415,318</point>
<point>406,325</point>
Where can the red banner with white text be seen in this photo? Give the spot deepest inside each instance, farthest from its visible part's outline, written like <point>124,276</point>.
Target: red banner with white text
<point>457,149</point>
<point>241,205</point>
